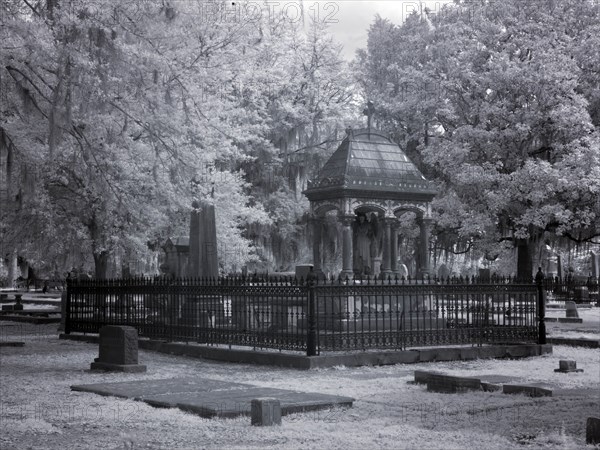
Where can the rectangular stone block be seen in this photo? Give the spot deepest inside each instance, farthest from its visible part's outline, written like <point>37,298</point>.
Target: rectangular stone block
<point>422,376</point>
<point>565,364</point>
<point>265,411</point>
<point>18,307</point>
<point>7,307</point>
<point>530,390</point>
<point>451,384</point>
<point>118,345</point>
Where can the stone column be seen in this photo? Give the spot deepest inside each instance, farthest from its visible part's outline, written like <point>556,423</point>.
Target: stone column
<point>424,225</point>
<point>315,223</point>
<point>386,265</point>
<point>347,269</point>
<point>394,248</point>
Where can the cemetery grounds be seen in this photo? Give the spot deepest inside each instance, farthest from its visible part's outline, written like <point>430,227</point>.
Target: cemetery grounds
<point>39,411</point>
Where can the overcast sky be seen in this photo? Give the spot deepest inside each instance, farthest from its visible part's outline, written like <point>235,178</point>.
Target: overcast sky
<point>350,19</point>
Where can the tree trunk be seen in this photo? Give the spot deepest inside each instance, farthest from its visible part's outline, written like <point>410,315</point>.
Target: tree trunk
<point>101,264</point>
<point>524,260</point>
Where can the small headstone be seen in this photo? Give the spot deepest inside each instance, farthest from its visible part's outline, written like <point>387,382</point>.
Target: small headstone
<point>402,271</point>
<point>484,275</point>
<point>18,305</point>
<point>592,431</point>
<point>302,271</point>
<point>582,293</point>
<point>571,310</point>
<point>566,366</point>
<point>63,311</point>
<point>443,272</point>
<point>118,350</point>
<point>3,297</point>
<point>265,411</point>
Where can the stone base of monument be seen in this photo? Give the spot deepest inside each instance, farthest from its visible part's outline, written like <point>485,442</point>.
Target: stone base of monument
<point>118,350</point>
<point>128,368</point>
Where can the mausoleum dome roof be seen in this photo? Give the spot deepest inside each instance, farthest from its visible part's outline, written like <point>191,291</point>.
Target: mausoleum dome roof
<point>368,162</point>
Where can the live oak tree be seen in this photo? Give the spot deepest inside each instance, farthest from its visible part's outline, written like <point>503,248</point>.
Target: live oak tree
<point>121,114</point>
<point>502,106</point>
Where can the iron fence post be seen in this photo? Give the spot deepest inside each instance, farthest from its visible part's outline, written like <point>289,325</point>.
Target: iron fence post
<point>539,279</point>
<point>311,339</point>
<point>68,308</point>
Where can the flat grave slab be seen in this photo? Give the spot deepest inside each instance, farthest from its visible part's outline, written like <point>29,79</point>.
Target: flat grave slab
<point>140,389</point>
<point>213,398</point>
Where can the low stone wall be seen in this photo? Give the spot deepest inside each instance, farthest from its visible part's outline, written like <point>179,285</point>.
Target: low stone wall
<point>370,358</point>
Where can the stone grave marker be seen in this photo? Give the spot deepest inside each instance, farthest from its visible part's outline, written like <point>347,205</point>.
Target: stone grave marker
<point>63,311</point>
<point>118,350</point>
<point>443,272</point>
<point>571,310</point>
<point>302,271</point>
<point>567,366</point>
<point>18,305</point>
<point>265,411</point>
<point>592,431</point>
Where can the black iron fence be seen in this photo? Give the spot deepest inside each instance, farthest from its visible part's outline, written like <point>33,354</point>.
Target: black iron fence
<point>576,288</point>
<point>314,316</point>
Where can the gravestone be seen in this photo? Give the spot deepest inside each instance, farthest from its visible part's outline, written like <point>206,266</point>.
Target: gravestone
<point>203,261</point>
<point>63,311</point>
<point>443,272</point>
<point>484,275</point>
<point>265,411</point>
<point>176,256</point>
<point>302,271</point>
<point>203,310</point>
<point>118,350</point>
<point>402,271</point>
<point>592,431</point>
<point>571,310</point>
<point>567,366</point>
<point>582,293</point>
<point>18,305</point>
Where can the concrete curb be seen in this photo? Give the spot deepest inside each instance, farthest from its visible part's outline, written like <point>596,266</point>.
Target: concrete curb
<point>350,360</point>
<point>581,342</point>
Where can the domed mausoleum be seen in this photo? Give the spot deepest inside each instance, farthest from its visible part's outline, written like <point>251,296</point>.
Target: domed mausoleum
<point>369,181</point>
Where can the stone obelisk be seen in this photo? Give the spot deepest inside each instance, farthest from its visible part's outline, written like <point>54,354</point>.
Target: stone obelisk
<point>203,258</point>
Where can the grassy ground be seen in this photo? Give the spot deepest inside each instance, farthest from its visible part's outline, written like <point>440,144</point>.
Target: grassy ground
<point>38,409</point>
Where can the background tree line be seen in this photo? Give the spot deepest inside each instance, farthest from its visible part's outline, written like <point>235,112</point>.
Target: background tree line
<point>114,116</point>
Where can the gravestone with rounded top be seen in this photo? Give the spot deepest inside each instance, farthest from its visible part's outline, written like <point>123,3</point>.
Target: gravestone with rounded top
<point>118,350</point>
<point>571,310</point>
